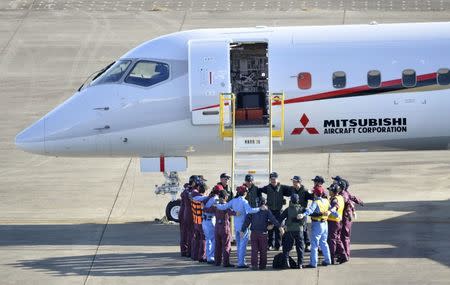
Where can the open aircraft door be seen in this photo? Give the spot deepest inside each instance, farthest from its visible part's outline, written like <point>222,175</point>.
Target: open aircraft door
<point>209,75</point>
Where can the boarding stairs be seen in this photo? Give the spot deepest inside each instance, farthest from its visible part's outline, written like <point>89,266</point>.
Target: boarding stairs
<point>252,145</point>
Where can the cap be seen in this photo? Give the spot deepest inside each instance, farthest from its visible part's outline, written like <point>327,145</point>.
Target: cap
<point>193,178</point>
<point>318,191</point>
<point>296,178</point>
<point>224,175</point>
<point>249,178</point>
<point>318,179</point>
<point>342,184</point>
<point>241,189</point>
<point>217,189</point>
<point>333,188</point>
<point>337,178</point>
<point>202,178</point>
<point>295,198</point>
<point>273,175</point>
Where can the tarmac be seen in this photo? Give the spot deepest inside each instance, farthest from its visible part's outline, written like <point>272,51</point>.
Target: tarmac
<point>91,221</point>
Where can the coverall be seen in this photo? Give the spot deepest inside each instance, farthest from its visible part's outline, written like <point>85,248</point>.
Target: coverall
<point>347,219</point>
<point>208,223</point>
<point>186,222</point>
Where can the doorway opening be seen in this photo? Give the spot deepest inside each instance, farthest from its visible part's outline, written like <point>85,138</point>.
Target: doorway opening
<point>249,81</point>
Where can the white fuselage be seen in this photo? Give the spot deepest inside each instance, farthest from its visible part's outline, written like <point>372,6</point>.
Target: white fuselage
<point>121,118</point>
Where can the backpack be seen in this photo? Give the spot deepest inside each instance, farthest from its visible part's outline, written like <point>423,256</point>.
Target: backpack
<point>280,263</point>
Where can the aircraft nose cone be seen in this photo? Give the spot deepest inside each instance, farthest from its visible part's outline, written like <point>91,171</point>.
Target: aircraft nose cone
<point>32,139</point>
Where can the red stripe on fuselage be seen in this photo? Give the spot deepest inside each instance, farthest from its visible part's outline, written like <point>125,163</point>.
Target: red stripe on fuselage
<point>341,92</point>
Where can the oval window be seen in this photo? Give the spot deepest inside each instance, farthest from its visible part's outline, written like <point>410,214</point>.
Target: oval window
<point>443,76</point>
<point>339,79</point>
<point>304,80</point>
<point>374,78</point>
<point>409,78</point>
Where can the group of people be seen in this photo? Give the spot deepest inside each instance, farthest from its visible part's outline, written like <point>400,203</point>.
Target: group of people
<point>206,222</point>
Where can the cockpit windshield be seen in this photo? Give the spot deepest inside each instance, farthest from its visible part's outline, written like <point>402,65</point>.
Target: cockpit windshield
<point>112,74</point>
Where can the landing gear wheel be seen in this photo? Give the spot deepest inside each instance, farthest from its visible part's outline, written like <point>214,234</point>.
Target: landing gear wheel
<point>172,210</point>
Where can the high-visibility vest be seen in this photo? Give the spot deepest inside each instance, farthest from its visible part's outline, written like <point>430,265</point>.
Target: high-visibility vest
<point>340,211</point>
<point>197,211</point>
<point>323,205</point>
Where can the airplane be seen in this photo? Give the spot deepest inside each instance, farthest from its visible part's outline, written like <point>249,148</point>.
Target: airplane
<point>370,87</point>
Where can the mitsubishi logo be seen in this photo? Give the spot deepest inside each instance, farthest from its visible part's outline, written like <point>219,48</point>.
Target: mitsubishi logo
<point>304,120</point>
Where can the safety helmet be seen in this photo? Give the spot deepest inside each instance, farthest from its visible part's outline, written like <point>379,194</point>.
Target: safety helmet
<point>249,178</point>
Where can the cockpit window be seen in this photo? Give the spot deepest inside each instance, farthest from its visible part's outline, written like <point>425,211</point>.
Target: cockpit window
<point>148,73</point>
<point>113,74</point>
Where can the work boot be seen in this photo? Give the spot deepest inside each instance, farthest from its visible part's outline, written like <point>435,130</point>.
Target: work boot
<point>325,263</point>
<point>228,265</point>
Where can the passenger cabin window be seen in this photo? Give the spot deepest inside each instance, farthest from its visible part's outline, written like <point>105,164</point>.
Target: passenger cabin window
<point>304,80</point>
<point>148,73</point>
<point>409,78</point>
<point>339,79</point>
<point>374,79</point>
<point>113,74</point>
<point>443,76</point>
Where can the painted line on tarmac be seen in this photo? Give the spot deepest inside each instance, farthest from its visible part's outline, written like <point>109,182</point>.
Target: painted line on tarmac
<point>107,222</point>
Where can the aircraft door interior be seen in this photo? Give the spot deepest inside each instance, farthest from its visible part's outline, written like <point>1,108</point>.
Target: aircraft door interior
<point>249,81</point>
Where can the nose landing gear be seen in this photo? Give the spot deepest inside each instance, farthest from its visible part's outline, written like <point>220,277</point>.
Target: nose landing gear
<point>171,186</point>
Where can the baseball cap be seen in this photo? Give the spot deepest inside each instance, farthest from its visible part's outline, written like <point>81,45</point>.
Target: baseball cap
<point>249,178</point>
<point>337,178</point>
<point>241,189</point>
<point>318,179</point>
<point>273,175</point>
<point>296,178</point>
<point>225,175</point>
<point>333,188</point>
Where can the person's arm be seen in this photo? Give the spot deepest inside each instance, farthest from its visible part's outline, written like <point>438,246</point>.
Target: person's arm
<point>250,210</point>
<point>355,199</point>
<point>230,212</point>
<point>211,210</point>
<point>223,207</point>
<point>200,198</point>
<point>308,195</point>
<point>247,222</point>
<point>286,190</point>
<point>284,215</point>
<point>311,209</point>
<point>263,190</point>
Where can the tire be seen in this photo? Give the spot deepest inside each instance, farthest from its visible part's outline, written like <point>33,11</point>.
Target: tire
<point>172,210</point>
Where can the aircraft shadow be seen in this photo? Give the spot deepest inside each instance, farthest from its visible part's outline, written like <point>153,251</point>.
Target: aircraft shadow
<point>419,231</point>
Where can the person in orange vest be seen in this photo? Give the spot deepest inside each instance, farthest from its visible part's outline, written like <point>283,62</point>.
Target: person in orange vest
<point>198,247</point>
<point>335,225</point>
